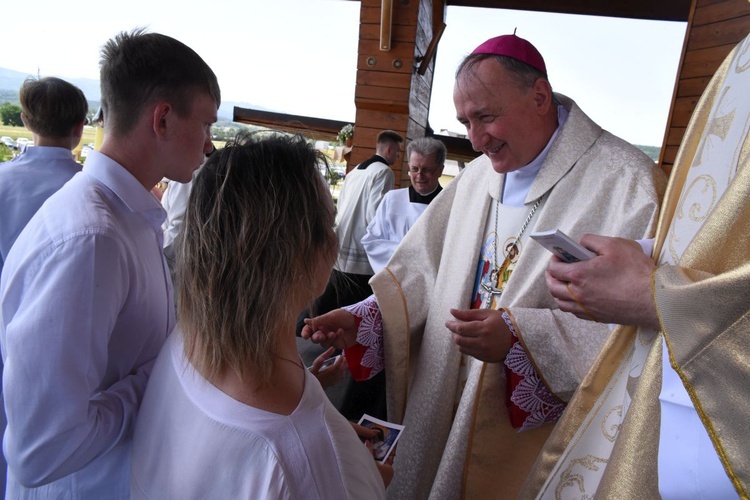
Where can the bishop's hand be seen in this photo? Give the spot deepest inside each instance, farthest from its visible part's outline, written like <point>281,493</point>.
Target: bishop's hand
<point>481,333</point>
<point>337,328</point>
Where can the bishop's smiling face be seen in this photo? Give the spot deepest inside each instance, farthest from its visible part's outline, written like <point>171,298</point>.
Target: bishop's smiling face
<point>503,120</point>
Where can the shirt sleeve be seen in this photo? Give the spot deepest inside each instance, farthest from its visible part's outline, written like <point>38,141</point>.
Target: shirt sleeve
<point>378,240</point>
<point>175,203</point>
<point>58,315</point>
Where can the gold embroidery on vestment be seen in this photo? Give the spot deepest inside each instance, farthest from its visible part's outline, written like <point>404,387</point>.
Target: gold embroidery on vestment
<point>569,479</point>
<point>610,430</point>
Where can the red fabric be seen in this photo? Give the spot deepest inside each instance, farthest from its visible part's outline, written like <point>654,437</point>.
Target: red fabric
<point>354,357</point>
<point>530,403</point>
<point>516,414</point>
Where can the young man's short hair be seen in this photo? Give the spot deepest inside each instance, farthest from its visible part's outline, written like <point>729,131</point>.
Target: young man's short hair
<point>51,107</point>
<point>139,68</point>
<point>389,136</point>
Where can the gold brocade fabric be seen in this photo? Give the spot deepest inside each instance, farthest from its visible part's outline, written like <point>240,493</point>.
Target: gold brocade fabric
<point>606,444</point>
<point>484,470</point>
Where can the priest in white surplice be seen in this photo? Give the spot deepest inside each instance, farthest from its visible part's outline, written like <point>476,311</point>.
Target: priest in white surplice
<point>474,347</point>
<point>401,208</point>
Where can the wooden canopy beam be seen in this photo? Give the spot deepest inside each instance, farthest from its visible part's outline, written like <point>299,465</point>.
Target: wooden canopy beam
<point>661,10</point>
<point>320,129</point>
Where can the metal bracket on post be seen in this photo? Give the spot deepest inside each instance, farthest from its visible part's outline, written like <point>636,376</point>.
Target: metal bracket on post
<point>386,18</point>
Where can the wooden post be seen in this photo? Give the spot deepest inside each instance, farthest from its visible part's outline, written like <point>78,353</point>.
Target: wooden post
<point>390,94</point>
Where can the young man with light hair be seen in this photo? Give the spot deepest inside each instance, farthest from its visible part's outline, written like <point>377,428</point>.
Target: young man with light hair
<point>86,297</point>
<point>363,190</point>
<point>55,112</point>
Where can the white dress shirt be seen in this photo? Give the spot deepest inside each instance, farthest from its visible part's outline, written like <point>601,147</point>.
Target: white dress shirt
<point>85,306</point>
<point>26,182</point>
<point>174,201</point>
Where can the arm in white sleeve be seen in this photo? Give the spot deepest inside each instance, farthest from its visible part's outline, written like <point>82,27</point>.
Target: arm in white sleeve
<point>175,203</point>
<point>63,409</point>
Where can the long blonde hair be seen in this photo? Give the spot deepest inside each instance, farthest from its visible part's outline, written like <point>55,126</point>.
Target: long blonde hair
<point>258,223</point>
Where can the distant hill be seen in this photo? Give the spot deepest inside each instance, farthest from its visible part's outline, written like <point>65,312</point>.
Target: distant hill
<point>10,82</point>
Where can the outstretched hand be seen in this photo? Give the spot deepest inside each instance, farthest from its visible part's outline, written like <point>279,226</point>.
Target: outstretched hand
<point>613,287</point>
<point>337,328</point>
<point>481,333</point>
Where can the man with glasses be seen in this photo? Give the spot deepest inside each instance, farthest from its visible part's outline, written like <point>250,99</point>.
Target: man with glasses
<point>363,190</point>
<point>401,208</point>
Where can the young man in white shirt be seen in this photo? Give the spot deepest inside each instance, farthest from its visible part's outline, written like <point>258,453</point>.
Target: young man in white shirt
<point>54,111</point>
<point>86,298</point>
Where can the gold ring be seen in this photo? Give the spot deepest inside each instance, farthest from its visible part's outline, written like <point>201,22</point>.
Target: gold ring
<point>575,298</point>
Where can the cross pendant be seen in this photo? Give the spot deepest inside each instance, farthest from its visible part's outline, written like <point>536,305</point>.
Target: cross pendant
<point>491,290</point>
<point>491,293</point>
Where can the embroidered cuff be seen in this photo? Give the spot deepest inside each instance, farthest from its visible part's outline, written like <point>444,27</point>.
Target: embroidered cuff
<point>367,358</point>
<point>530,404</point>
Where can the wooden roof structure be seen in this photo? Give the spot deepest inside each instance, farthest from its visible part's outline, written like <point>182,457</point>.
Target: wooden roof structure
<point>396,57</point>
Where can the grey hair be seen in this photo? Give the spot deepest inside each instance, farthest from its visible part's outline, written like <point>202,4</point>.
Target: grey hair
<point>427,146</point>
<point>524,74</point>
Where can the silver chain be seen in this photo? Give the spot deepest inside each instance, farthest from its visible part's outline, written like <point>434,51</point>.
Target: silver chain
<point>520,233</point>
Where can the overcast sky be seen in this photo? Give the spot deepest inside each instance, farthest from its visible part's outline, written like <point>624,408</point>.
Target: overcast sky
<point>299,56</point>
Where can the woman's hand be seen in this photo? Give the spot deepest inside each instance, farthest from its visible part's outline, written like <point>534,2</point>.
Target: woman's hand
<point>331,374</point>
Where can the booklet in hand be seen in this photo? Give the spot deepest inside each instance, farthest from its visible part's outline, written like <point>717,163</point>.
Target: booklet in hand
<point>562,245</point>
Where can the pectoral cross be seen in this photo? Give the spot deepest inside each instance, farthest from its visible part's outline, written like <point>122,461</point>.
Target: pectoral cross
<point>491,290</point>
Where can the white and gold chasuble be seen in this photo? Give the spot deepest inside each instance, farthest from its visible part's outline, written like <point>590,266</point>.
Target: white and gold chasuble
<point>474,451</point>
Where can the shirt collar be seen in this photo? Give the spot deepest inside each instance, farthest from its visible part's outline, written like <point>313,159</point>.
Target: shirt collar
<point>45,152</point>
<point>415,197</point>
<point>126,187</point>
<point>518,183</point>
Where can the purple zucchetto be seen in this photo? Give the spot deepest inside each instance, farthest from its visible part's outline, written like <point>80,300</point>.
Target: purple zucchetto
<point>514,47</point>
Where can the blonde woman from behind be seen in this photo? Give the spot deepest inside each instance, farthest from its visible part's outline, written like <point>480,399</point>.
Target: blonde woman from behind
<point>230,410</point>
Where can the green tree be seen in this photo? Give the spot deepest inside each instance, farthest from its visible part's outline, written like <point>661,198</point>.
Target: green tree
<point>11,114</point>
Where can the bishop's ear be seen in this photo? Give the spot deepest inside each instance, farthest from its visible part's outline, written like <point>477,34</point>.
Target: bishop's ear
<point>542,94</point>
